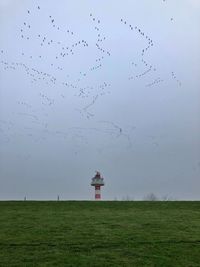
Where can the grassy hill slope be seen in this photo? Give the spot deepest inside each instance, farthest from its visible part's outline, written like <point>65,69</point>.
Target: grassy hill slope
<point>86,233</point>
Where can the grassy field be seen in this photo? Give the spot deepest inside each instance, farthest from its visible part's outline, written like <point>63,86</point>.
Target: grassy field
<point>81,233</point>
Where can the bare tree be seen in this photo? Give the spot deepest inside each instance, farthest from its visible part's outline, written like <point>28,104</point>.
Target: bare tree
<point>166,198</point>
<point>151,197</point>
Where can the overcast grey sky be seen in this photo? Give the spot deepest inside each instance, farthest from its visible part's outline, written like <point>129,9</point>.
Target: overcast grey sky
<point>99,85</point>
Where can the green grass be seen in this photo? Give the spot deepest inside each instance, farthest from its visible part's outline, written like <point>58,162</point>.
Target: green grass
<point>81,233</point>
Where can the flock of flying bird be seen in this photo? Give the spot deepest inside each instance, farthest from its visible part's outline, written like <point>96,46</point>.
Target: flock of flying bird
<point>89,93</point>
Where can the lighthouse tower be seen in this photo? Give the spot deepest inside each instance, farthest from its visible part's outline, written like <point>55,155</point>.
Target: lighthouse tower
<point>97,181</point>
